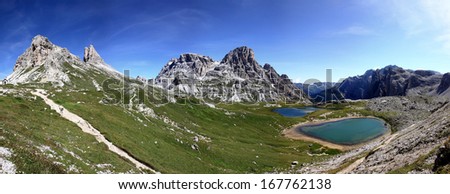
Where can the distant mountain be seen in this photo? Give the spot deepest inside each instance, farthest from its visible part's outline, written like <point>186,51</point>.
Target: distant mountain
<point>237,78</point>
<point>45,62</point>
<point>315,88</point>
<point>321,92</point>
<point>390,81</point>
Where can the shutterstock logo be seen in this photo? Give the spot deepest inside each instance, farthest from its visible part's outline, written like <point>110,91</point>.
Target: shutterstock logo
<point>189,89</point>
<point>322,92</point>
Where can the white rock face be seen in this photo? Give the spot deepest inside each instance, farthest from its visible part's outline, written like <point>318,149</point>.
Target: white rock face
<point>91,55</point>
<point>94,61</point>
<point>45,62</point>
<point>6,166</point>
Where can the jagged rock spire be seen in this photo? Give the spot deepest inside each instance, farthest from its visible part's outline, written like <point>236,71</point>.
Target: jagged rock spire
<point>91,55</point>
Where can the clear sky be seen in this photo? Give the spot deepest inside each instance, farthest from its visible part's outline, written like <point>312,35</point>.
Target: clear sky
<point>300,38</point>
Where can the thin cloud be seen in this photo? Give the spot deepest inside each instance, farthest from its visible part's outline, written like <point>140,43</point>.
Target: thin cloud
<point>356,31</point>
<point>415,18</point>
<point>185,17</point>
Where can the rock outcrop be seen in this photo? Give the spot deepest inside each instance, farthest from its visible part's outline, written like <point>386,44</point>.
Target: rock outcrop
<point>91,55</point>
<point>443,157</point>
<point>238,77</point>
<point>389,81</point>
<point>443,88</point>
<point>95,62</point>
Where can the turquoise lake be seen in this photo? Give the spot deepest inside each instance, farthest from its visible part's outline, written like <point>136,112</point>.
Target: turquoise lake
<point>346,132</point>
<point>295,112</point>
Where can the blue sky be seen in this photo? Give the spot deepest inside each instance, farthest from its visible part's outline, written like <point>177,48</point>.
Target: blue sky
<point>300,38</point>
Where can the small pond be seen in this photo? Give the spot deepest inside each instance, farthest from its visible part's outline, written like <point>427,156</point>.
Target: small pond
<point>295,112</point>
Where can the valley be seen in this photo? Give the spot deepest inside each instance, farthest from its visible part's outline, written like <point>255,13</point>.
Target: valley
<point>61,114</point>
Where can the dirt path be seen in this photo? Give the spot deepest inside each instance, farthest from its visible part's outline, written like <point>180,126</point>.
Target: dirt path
<point>355,164</point>
<point>351,166</point>
<point>87,128</point>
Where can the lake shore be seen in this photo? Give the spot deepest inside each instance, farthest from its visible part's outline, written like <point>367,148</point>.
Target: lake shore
<point>293,133</point>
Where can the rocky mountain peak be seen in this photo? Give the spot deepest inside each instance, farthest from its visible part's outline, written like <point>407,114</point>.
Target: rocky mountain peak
<point>243,64</point>
<point>241,55</point>
<point>268,67</point>
<point>36,54</point>
<point>187,65</point>
<point>192,57</point>
<point>238,77</point>
<point>41,41</point>
<point>42,62</point>
<point>91,55</point>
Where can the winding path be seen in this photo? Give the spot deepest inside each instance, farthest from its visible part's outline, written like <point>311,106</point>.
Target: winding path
<point>355,164</point>
<point>87,128</point>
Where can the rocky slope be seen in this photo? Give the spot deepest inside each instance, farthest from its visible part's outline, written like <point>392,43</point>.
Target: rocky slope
<point>238,77</point>
<point>444,87</point>
<point>45,62</point>
<point>409,144</point>
<point>390,81</point>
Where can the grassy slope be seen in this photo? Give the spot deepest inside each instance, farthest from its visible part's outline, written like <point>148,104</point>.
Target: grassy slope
<point>248,141</point>
<point>26,123</point>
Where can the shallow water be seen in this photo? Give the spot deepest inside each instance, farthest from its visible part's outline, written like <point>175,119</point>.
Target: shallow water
<point>346,132</point>
<point>295,112</point>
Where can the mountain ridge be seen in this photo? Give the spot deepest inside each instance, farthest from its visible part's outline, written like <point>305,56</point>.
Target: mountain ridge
<point>45,62</point>
<point>389,81</point>
<point>237,77</point>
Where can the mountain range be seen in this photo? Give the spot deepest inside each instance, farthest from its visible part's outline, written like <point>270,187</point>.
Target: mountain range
<point>391,80</point>
<point>148,126</point>
<point>238,77</point>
